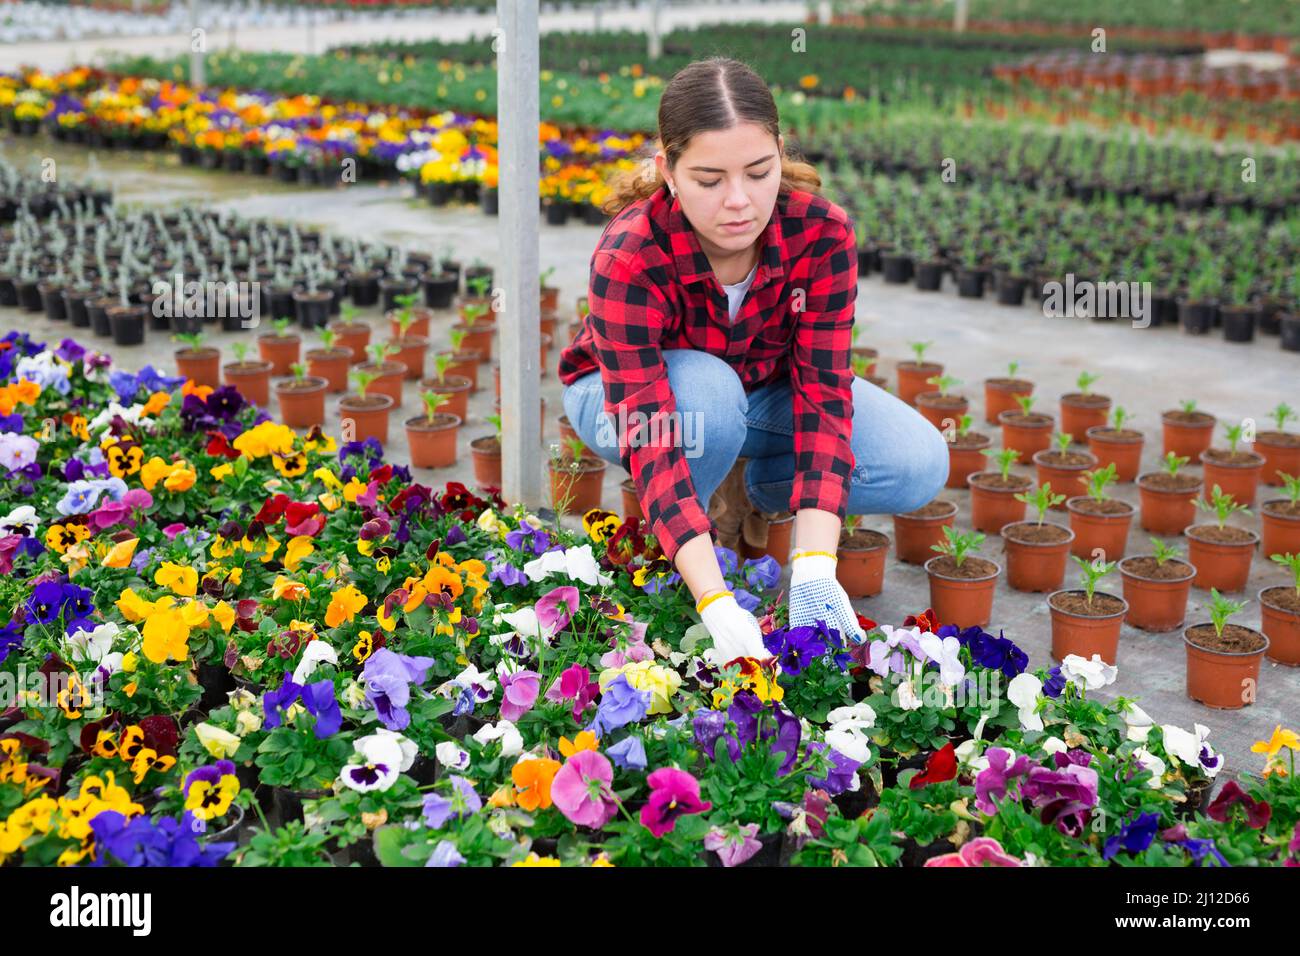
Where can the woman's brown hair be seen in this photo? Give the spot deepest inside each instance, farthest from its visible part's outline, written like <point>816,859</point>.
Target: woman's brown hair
<point>713,94</point>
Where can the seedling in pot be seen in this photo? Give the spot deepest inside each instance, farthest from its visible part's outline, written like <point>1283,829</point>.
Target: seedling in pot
<point>379,352</point>
<point>584,307</point>
<point>1026,403</point>
<point>472,313</point>
<point>1222,505</point>
<point>958,545</point>
<point>348,314</point>
<point>432,402</point>
<point>495,422</point>
<point>1063,442</point>
<point>1093,571</point>
<point>943,382</point>
<point>1119,416</point>
<point>1012,368</point>
<point>958,429</point>
<point>479,286</point>
<point>299,372</point>
<point>1163,552</point>
<point>919,348</point>
<point>1171,463</point>
<point>1233,434</point>
<point>860,365</point>
<point>440,365</point>
<point>1221,608</point>
<point>192,340</point>
<point>281,327</point>
<point>361,382</point>
<point>328,337</point>
<point>1004,459</point>
<point>545,277</point>
<point>1292,563</point>
<point>1041,500</point>
<point>1188,405</point>
<point>1290,488</point>
<point>406,317</point>
<point>1084,382</point>
<point>1282,414</point>
<point>241,351</point>
<point>1099,479</point>
<point>457,337</point>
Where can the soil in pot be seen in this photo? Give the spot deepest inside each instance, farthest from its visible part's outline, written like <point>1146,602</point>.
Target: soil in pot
<point>1280,527</point>
<point>1063,470</point>
<point>280,350</point>
<point>302,401</point>
<point>1121,447</point>
<point>1168,501</point>
<point>1027,434</point>
<point>1186,434</point>
<point>388,379</point>
<point>464,364</point>
<point>419,326</point>
<point>962,594</point>
<point>1237,473</point>
<point>251,379</point>
<point>965,458</point>
<point>1099,526</point>
<point>1000,396</point>
<point>202,365</point>
<point>1281,451</point>
<point>486,454</point>
<point>1280,616</point>
<point>433,442</point>
<point>1080,411</point>
<point>1221,556</point>
<point>861,565</point>
<point>457,388</point>
<point>1223,669</point>
<point>478,338</point>
<point>576,485</point>
<point>331,365</point>
<point>631,503</point>
<point>362,418</point>
<point>914,378</point>
<point>1156,593</point>
<point>1084,627</point>
<point>915,531</point>
<point>993,502</point>
<point>1036,555</point>
<point>942,411</point>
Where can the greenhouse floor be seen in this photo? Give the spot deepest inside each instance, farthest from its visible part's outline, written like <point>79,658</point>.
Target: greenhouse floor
<point>1144,370</point>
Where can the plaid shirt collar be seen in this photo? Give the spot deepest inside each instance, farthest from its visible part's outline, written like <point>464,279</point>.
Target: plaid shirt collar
<point>693,265</point>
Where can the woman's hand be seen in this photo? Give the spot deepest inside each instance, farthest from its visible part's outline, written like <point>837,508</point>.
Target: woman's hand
<point>734,630</point>
<point>815,595</point>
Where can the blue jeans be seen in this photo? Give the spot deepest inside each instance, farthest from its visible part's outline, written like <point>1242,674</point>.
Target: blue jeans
<point>901,460</point>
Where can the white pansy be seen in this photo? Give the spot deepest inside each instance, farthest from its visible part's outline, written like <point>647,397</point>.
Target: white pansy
<point>524,622</point>
<point>408,748</point>
<point>451,756</point>
<point>859,715</point>
<point>1153,763</point>
<point>24,516</point>
<point>381,759</point>
<point>91,646</point>
<point>946,652</point>
<point>907,697</point>
<point>1054,745</point>
<point>1139,723</point>
<point>1186,748</point>
<point>850,741</point>
<point>512,742</point>
<point>1025,690</point>
<point>1090,674</point>
<point>317,652</point>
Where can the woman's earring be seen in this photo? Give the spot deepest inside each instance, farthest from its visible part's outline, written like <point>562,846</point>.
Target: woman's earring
<point>672,190</point>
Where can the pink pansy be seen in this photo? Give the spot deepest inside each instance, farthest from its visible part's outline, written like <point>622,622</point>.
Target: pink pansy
<point>733,849</point>
<point>109,514</point>
<point>673,794</point>
<point>574,684</point>
<point>556,608</point>
<point>519,694</point>
<point>138,499</point>
<point>172,530</point>
<point>581,789</point>
<point>981,851</point>
<point>371,497</point>
<point>8,545</point>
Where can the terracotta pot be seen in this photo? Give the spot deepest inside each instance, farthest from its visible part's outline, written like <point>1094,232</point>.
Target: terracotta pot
<point>779,536</point>
<point>966,602</point>
<point>1026,434</point>
<point>486,454</point>
<point>1225,680</point>
<point>1123,449</point>
<point>1035,565</point>
<point>478,338</point>
<point>944,412</point>
<point>1105,532</point>
<point>1281,451</point>
<point>1156,603</point>
<point>331,365</point>
<point>1166,510</point>
<point>252,379</point>
<point>1000,396</point>
<point>419,323</point>
<point>868,353</point>
<point>914,378</point>
<point>365,417</point>
<point>631,503</point>
<point>1281,624</point>
<point>544,356</point>
<point>567,435</point>
<point>410,352</point>
<point>433,443</point>
<point>1186,434</point>
<point>1280,525</point>
<point>860,569</point>
<point>465,365</point>
<point>1065,479</point>
<point>201,366</point>
<point>496,410</point>
<point>577,491</point>
<point>1224,565</point>
<point>1083,634</point>
<point>457,388</point>
<point>388,381</point>
<point>1080,412</point>
<point>965,458</point>
<point>992,507</point>
<point>280,351</point>
<point>354,336</point>
<point>1240,480</point>
<point>302,403</point>
<point>916,531</point>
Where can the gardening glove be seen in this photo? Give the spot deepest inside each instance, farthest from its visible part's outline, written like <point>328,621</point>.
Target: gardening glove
<point>734,630</point>
<point>815,595</point>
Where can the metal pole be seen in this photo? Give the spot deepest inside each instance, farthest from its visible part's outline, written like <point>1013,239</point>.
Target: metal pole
<point>960,14</point>
<point>198,43</point>
<point>518,281</point>
<point>654,45</point>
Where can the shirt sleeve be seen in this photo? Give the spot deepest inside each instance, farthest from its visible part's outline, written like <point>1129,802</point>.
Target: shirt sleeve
<point>821,377</point>
<point>628,318</point>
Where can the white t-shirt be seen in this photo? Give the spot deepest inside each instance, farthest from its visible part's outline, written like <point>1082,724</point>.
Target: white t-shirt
<point>736,293</point>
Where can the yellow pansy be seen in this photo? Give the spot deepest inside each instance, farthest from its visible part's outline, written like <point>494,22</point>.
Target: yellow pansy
<point>222,744</point>
<point>298,548</point>
<point>165,636</point>
<point>221,472</point>
<point>661,682</point>
<point>288,589</point>
<point>120,554</point>
<point>585,740</point>
<point>224,615</point>
<point>327,478</point>
<point>180,579</point>
<point>345,604</point>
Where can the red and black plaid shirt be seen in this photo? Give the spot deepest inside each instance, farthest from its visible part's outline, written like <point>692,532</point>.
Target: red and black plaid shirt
<point>652,288</point>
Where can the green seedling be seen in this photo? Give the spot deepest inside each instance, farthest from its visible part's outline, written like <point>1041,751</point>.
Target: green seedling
<point>457,337</point>
<point>1041,500</point>
<point>1093,571</point>
<point>299,371</point>
<point>432,402</point>
<point>1026,403</point>
<point>328,337</point>
<point>860,365</point>
<point>379,352</point>
<point>545,277</point>
<point>1004,459</point>
<point>472,313</point>
<point>1292,563</point>
<point>943,382</point>
<point>1188,405</point>
<point>192,340</point>
<point>440,365</point>
<point>1290,488</point>
<point>479,286</point>
<point>958,545</point>
<point>1222,505</point>
<point>1012,368</point>
<point>1119,416</point>
<point>281,327</point>
<point>361,381</point>
<point>1063,441</point>
<point>1098,481</point>
<point>1164,552</point>
<point>1282,414</point>
<point>495,422</point>
<point>241,351</point>
<point>1233,433</point>
<point>348,314</point>
<point>1171,463</point>
<point>1084,382</point>
<point>919,349</point>
<point>1221,608</point>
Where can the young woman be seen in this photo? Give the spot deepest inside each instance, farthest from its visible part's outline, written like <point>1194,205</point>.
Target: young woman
<point>721,304</point>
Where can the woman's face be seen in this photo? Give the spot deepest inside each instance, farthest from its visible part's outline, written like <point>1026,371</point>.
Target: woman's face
<point>727,182</point>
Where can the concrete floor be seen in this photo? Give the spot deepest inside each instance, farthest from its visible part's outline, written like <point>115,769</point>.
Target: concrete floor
<point>1146,371</point>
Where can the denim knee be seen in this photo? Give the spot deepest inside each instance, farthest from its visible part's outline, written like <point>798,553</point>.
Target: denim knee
<point>924,468</point>
<point>712,402</point>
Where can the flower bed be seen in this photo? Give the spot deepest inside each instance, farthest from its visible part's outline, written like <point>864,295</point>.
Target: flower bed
<point>229,632</point>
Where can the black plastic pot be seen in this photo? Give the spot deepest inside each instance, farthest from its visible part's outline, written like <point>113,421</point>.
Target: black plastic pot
<point>312,308</point>
<point>257,164</point>
<point>1239,324</point>
<point>363,288</point>
<point>128,324</point>
<point>557,213</point>
<point>929,276</point>
<point>8,291</point>
<point>288,803</point>
<point>593,216</point>
<point>1196,318</point>
<point>439,193</point>
<point>234,161</point>
<point>1270,322</point>
<point>1011,290</point>
<point>489,201</point>
<point>99,322</point>
<point>424,770</point>
<point>280,302</point>
<point>896,267</point>
<point>390,289</point>
<point>74,304</point>
<point>52,302</point>
<point>217,682</point>
<point>29,296</point>
<point>864,263</point>
<point>970,283</point>
<point>1290,333</point>
<point>439,290</point>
